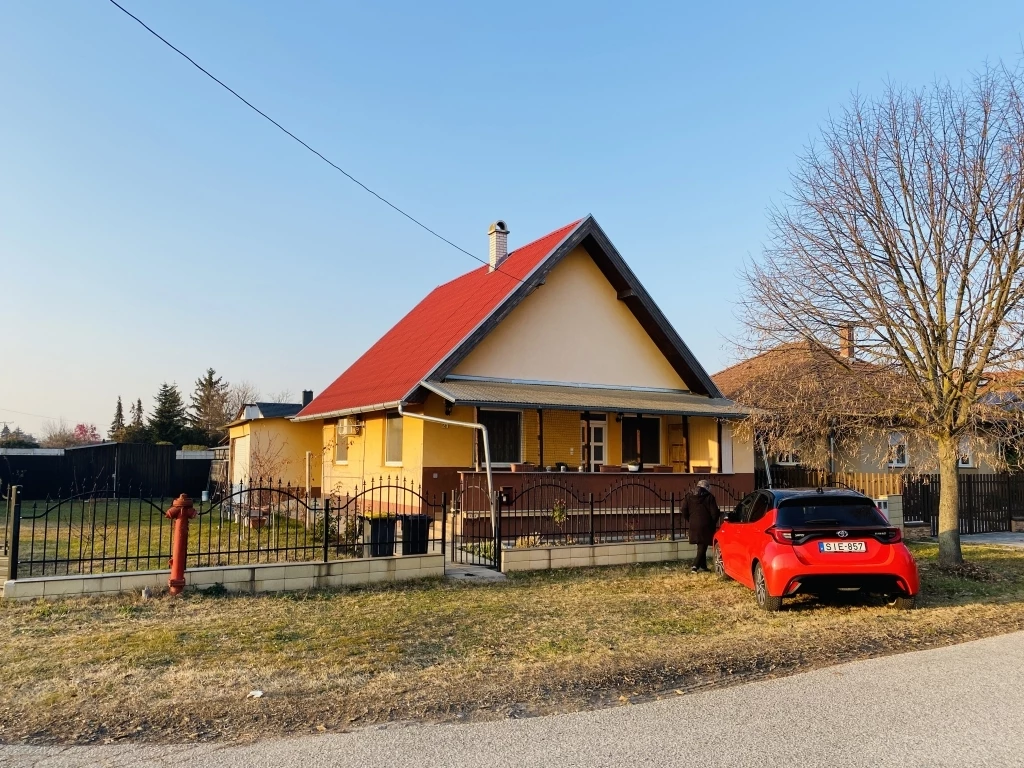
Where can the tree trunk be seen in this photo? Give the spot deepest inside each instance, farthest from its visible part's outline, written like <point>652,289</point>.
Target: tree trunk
<point>949,504</point>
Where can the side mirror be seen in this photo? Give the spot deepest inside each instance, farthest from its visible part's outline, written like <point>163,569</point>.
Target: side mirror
<point>732,517</point>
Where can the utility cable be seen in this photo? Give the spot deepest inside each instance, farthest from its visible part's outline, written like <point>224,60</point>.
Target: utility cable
<point>267,117</point>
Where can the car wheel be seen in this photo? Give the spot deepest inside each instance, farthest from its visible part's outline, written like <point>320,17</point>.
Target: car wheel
<point>904,603</point>
<point>764,601</point>
<point>719,566</point>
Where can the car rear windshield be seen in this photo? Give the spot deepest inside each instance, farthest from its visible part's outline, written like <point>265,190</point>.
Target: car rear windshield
<point>846,512</point>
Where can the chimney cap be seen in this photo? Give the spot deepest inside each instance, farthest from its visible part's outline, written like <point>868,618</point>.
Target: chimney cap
<point>498,226</point>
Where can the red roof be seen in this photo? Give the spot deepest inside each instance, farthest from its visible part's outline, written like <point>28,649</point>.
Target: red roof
<point>402,358</point>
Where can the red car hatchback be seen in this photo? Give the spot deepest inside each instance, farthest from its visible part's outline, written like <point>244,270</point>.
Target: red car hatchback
<point>783,542</point>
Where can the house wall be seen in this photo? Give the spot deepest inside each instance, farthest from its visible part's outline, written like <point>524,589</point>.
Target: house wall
<point>703,443</point>
<point>742,451</point>
<point>562,437</point>
<point>447,446</point>
<point>572,329</point>
<point>238,453</point>
<point>869,457</point>
<point>424,444</point>
<point>276,447</point>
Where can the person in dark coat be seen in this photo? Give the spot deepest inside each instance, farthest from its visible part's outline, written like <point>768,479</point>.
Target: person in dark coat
<point>702,514</point>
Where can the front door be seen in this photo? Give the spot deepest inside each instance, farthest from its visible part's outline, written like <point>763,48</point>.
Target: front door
<point>596,457</point>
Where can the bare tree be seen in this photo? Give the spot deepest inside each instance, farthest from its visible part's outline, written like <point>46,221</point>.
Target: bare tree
<point>240,394</point>
<point>906,222</point>
<point>284,396</point>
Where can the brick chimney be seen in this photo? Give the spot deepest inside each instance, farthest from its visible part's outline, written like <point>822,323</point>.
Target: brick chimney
<point>847,342</point>
<point>498,235</point>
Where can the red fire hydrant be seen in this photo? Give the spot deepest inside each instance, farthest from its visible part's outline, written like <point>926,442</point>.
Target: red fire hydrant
<point>181,512</point>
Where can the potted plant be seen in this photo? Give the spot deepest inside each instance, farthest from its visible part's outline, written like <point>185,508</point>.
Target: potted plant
<point>633,465</point>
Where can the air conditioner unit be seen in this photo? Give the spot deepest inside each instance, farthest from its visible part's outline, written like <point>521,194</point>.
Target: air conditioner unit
<point>348,427</point>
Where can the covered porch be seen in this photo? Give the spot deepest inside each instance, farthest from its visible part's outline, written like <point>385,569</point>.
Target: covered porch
<point>597,430</point>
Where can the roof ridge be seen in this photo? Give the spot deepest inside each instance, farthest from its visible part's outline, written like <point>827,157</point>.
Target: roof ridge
<point>510,255</point>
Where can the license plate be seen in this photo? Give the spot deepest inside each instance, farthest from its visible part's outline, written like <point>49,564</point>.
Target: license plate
<point>842,546</point>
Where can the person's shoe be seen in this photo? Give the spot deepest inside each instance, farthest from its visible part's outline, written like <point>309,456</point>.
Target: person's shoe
<point>694,569</point>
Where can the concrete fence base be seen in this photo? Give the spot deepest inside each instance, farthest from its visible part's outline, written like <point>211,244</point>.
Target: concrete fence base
<point>582,556</point>
<point>272,577</point>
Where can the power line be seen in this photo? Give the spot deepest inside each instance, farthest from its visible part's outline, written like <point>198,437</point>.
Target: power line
<point>23,413</point>
<point>267,117</point>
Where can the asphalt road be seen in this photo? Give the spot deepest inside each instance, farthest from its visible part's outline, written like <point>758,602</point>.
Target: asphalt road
<point>956,706</point>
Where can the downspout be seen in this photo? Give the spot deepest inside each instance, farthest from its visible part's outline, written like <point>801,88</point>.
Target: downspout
<point>767,468</point>
<point>487,453</point>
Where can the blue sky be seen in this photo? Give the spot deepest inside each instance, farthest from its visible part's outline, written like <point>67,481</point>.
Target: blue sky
<point>151,226</point>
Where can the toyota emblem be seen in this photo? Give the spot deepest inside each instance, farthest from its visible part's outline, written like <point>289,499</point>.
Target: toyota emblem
<point>842,534</point>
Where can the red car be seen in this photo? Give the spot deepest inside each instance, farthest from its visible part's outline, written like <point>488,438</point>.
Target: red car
<point>783,542</point>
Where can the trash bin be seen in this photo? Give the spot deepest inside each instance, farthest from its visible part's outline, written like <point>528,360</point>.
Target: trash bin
<point>382,536</point>
<point>415,532</point>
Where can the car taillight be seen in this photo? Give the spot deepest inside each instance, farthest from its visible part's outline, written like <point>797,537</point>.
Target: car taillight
<point>781,535</point>
<point>890,536</point>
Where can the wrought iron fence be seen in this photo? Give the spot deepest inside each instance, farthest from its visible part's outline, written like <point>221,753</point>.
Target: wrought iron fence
<point>254,523</point>
<point>550,512</point>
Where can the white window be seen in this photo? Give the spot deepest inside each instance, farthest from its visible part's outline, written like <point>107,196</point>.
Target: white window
<point>788,458</point>
<point>393,439</point>
<point>964,456</point>
<point>897,450</point>
<point>341,432</point>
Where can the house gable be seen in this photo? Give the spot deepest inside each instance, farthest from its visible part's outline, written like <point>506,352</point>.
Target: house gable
<point>572,329</point>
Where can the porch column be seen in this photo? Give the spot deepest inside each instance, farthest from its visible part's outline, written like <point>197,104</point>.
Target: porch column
<point>540,435</point>
<point>686,443</point>
<point>586,444</point>
<point>719,468</point>
<point>639,440</point>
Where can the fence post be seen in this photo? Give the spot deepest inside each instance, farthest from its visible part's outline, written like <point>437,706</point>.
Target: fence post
<point>327,528</point>
<point>497,535</point>
<point>455,521</point>
<point>672,516</point>
<point>591,522</point>
<point>444,518</point>
<point>15,535</point>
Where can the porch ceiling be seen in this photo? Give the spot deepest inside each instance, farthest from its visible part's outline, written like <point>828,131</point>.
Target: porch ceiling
<point>580,398</point>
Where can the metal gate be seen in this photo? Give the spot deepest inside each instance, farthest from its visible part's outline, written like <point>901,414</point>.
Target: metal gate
<point>474,531</point>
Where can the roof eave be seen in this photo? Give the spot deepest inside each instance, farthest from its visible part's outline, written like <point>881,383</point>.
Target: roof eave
<point>341,412</point>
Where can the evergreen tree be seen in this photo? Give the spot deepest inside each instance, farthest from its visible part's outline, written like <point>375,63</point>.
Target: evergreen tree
<point>169,420</point>
<point>208,412</point>
<point>117,425</point>
<point>135,431</point>
<point>137,413</point>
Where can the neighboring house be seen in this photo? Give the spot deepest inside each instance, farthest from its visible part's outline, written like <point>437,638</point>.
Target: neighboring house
<point>878,446</point>
<point>557,348</point>
<point>266,445</point>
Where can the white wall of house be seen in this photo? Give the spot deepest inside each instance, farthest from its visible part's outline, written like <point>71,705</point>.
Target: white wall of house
<point>573,329</point>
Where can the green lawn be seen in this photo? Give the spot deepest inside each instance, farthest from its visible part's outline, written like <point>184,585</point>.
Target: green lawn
<point>548,641</point>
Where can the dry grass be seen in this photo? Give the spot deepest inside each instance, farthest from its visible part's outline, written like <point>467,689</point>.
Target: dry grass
<point>84,670</point>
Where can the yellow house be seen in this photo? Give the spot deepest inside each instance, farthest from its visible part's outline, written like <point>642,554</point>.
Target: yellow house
<point>265,445</point>
<point>558,350</point>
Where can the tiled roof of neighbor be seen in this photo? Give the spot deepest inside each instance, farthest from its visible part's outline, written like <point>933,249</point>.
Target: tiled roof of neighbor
<point>278,410</point>
<point>395,365</point>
